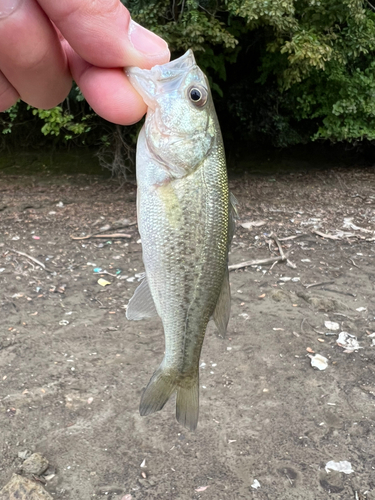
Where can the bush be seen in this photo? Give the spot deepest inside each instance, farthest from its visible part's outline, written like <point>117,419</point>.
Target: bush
<point>312,74</point>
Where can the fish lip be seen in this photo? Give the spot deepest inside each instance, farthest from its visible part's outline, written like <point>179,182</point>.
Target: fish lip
<point>146,81</point>
<point>181,64</point>
<point>164,72</point>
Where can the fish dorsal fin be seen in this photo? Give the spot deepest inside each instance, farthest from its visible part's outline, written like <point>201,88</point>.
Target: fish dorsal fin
<point>141,305</point>
<point>222,310</point>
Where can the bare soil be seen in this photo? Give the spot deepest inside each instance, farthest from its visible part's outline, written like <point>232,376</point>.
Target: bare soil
<point>72,368</point>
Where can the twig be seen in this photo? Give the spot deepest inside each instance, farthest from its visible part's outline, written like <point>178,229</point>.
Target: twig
<point>319,284</point>
<point>31,258</point>
<point>273,265</point>
<point>302,322</point>
<point>354,264</point>
<point>282,254</point>
<point>114,235</point>
<point>277,241</point>
<point>109,274</point>
<point>292,237</point>
<point>338,291</point>
<point>345,316</point>
<point>324,235</point>
<point>291,482</point>
<point>97,300</point>
<point>281,258</point>
<point>256,262</point>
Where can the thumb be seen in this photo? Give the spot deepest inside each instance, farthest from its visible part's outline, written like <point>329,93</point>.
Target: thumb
<point>104,35</point>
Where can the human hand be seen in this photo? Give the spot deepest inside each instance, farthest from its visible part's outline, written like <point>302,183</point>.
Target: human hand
<point>44,44</point>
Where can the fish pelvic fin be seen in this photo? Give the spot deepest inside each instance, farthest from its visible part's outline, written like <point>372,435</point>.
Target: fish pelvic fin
<point>160,388</point>
<point>187,402</point>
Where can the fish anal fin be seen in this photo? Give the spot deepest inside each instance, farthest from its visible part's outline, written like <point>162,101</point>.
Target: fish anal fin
<point>233,216</point>
<point>222,310</point>
<point>141,305</point>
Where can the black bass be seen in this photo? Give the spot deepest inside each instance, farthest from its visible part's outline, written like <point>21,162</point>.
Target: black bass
<point>185,219</point>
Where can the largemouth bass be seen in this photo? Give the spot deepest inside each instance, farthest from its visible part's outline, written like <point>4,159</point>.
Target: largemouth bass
<point>185,219</point>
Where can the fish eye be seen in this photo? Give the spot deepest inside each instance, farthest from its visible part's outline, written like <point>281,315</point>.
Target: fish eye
<point>198,95</point>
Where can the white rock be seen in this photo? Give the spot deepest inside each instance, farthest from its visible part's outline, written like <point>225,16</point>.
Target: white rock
<point>256,484</point>
<point>331,325</point>
<point>318,361</point>
<point>344,466</point>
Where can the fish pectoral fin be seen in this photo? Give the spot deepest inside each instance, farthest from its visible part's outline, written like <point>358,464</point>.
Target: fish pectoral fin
<point>141,305</point>
<point>222,310</point>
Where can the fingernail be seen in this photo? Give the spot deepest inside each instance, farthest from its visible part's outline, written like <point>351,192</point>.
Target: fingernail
<point>144,40</point>
<point>7,7</point>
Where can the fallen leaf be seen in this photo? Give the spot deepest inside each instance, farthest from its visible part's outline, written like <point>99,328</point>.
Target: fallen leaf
<point>255,223</point>
<point>308,349</point>
<point>202,488</point>
<point>103,282</point>
<point>348,342</point>
<point>262,296</point>
<point>49,477</point>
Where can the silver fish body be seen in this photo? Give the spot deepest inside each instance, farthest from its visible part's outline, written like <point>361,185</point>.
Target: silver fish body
<point>185,222</point>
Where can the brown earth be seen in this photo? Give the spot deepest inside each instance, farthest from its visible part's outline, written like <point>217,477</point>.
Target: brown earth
<point>72,368</point>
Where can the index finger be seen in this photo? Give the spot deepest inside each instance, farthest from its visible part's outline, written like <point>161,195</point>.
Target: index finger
<point>102,33</point>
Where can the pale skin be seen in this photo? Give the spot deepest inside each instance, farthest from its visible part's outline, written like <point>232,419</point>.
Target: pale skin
<point>45,44</point>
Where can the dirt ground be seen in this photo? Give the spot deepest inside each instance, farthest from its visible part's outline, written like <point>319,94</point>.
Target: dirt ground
<point>72,368</point>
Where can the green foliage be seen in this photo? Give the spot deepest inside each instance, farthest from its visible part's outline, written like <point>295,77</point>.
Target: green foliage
<point>8,119</point>
<point>281,71</point>
<point>57,121</point>
<point>343,103</point>
<point>200,26</point>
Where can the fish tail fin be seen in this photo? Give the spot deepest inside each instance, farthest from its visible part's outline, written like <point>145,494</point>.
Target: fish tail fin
<point>187,403</point>
<point>160,388</point>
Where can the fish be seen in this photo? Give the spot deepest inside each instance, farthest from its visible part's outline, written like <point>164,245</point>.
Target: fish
<point>186,219</point>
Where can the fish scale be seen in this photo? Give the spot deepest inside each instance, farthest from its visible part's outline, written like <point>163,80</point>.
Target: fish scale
<point>184,217</point>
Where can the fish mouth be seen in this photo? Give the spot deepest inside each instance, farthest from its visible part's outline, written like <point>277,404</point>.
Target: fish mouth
<point>173,69</point>
<point>169,75</point>
<point>167,71</point>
